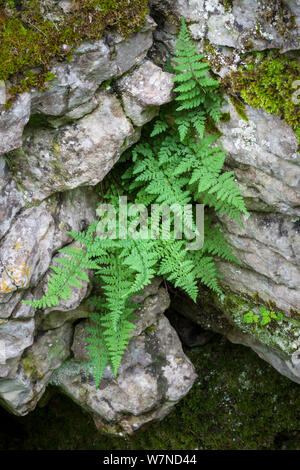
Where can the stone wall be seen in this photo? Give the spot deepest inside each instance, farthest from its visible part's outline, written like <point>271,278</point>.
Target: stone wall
<point>56,145</point>
<point>263,152</point>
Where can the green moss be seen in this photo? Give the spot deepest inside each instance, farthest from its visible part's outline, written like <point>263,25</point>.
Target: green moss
<point>227,4</point>
<point>238,402</point>
<point>28,39</point>
<point>239,107</point>
<point>267,83</point>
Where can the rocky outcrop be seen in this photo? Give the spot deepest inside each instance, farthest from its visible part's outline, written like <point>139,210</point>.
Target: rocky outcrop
<point>143,91</point>
<point>75,132</point>
<point>276,343</point>
<point>12,123</point>
<point>73,155</point>
<point>57,144</point>
<point>153,376</point>
<point>263,152</point>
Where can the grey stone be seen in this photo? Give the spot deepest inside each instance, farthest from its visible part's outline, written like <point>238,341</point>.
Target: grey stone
<point>75,212</point>
<point>90,65</point>
<point>153,376</point>
<point>21,391</point>
<point>25,253</point>
<point>11,199</point>
<point>74,155</point>
<point>15,337</point>
<point>12,122</point>
<point>144,90</point>
<point>264,150</point>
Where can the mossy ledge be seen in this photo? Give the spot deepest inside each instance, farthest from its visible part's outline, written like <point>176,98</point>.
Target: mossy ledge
<point>29,39</point>
<point>266,81</point>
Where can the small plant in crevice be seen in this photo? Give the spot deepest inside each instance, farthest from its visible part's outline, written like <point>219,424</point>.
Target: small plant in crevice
<point>262,318</point>
<point>176,162</point>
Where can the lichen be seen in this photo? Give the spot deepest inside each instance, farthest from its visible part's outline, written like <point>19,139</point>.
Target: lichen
<point>266,81</point>
<point>29,39</point>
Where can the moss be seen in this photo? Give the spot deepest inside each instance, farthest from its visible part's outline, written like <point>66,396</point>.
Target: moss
<point>238,402</point>
<point>239,107</point>
<point>267,83</point>
<point>227,4</point>
<point>29,40</point>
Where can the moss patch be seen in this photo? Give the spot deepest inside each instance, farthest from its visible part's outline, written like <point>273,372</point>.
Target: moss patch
<point>238,402</point>
<point>266,81</point>
<point>29,39</point>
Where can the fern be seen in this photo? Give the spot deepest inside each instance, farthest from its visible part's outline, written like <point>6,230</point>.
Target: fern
<point>176,163</point>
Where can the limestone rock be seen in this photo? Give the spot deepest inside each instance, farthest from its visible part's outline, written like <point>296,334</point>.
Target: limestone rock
<point>90,65</point>
<point>15,337</point>
<point>265,25</point>
<point>278,343</point>
<point>144,90</point>
<point>23,388</point>
<point>73,155</point>
<point>25,254</point>
<point>11,199</point>
<point>12,122</point>
<point>153,376</point>
<point>264,152</point>
<point>75,211</point>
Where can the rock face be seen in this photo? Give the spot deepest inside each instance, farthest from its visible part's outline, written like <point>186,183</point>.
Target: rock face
<point>143,91</point>
<point>276,343</point>
<point>75,132</point>
<point>91,64</point>
<point>12,122</point>
<point>263,152</point>
<point>153,376</point>
<point>235,24</point>
<point>73,155</point>
<point>56,145</point>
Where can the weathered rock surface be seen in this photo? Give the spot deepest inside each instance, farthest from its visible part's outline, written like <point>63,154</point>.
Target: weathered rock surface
<point>11,200</point>
<point>153,376</point>
<point>276,343</point>
<point>144,90</point>
<point>23,387</point>
<point>25,254</point>
<point>90,65</point>
<point>81,126</point>
<point>12,123</point>
<point>73,155</point>
<point>238,23</point>
<point>264,151</point>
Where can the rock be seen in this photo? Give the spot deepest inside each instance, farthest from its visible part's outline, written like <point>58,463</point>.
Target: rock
<point>21,391</point>
<point>52,318</point>
<point>239,24</point>
<point>8,303</point>
<point>74,155</point>
<point>25,254</point>
<point>75,211</point>
<point>268,247</point>
<point>278,343</point>
<point>11,199</point>
<point>15,337</point>
<point>12,122</point>
<point>144,90</point>
<point>153,376</point>
<point>264,151</point>
<point>90,65</point>
<point>191,10</point>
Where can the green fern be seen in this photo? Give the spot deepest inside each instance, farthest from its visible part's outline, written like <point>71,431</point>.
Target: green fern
<point>176,163</point>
